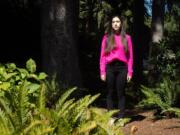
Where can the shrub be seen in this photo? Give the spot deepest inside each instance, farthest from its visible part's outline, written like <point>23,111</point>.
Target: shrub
<point>23,107</point>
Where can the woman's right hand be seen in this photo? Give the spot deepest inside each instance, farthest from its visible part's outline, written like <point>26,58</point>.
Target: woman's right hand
<point>103,78</point>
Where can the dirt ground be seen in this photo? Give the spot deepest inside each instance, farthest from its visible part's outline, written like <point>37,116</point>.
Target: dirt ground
<point>145,124</point>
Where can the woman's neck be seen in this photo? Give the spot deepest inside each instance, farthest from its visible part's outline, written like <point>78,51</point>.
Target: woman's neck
<point>116,32</point>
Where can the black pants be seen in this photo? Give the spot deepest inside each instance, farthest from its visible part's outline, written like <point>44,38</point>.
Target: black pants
<point>116,78</point>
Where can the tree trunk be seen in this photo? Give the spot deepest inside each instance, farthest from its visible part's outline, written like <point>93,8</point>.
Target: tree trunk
<point>59,40</point>
<point>157,20</point>
<point>138,40</point>
<point>157,27</point>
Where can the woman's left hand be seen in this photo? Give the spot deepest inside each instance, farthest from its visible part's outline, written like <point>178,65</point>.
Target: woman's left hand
<point>128,78</point>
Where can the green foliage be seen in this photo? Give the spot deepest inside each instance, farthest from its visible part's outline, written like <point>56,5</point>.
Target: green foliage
<point>165,97</point>
<point>19,92</point>
<point>31,65</point>
<point>164,62</point>
<point>12,76</point>
<point>99,12</point>
<point>165,56</point>
<point>171,23</point>
<point>23,107</point>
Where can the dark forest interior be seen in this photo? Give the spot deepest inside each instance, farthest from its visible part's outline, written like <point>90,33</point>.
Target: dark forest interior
<point>64,89</point>
<point>20,34</point>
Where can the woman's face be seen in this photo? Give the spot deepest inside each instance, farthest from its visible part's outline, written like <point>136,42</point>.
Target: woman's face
<point>116,24</point>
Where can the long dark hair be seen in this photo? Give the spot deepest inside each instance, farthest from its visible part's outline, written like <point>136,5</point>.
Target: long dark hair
<point>110,43</point>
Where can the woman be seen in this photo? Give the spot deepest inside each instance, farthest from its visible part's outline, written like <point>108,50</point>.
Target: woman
<point>116,62</point>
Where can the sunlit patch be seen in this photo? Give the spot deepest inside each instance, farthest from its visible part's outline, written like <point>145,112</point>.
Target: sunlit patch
<point>61,12</point>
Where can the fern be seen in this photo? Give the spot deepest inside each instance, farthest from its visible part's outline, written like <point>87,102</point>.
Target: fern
<point>163,97</point>
<point>152,99</point>
<point>66,107</point>
<point>174,110</point>
<point>63,126</point>
<point>41,98</point>
<point>23,109</point>
<point>103,120</point>
<point>32,125</point>
<point>7,111</point>
<point>63,98</point>
<point>86,127</point>
<point>4,125</point>
<point>81,105</point>
<point>41,130</point>
<point>22,105</point>
<point>46,130</point>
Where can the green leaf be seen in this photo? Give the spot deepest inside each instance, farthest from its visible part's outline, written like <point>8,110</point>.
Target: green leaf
<point>42,76</point>
<point>63,98</point>
<point>122,122</point>
<point>23,72</point>
<point>9,75</point>
<point>128,13</point>
<point>33,87</point>
<point>2,70</point>
<point>5,85</point>
<point>31,65</point>
<point>87,127</point>
<point>11,66</point>
<point>100,17</point>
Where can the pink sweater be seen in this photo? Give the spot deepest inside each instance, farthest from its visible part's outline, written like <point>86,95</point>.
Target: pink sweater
<point>118,53</point>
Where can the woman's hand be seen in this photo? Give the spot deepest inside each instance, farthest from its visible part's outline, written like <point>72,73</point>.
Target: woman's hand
<point>103,78</point>
<point>128,78</point>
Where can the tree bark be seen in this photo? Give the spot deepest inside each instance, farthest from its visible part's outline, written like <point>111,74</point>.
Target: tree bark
<point>59,40</point>
<point>157,20</point>
<point>157,28</point>
<point>138,40</point>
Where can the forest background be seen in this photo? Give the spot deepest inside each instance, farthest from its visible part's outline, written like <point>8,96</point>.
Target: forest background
<point>64,38</point>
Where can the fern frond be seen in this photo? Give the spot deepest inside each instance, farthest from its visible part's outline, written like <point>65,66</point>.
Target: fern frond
<point>122,122</point>
<point>99,111</point>
<point>40,130</point>
<point>111,113</point>
<point>22,105</point>
<point>46,130</point>
<point>5,130</point>
<point>105,122</point>
<point>41,98</point>
<point>105,114</point>
<point>64,127</point>
<point>32,124</point>
<point>169,92</point>
<point>164,96</point>
<point>37,127</point>
<point>7,111</point>
<point>82,104</point>
<point>87,127</point>
<point>52,84</point>
<point>176,111</point>
<point>68,105</point>
<point>105,127</point>
<point>63,98</point>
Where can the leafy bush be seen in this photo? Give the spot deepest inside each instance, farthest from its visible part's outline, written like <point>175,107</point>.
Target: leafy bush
<point>164,97</point>
<point>165,55</point>
<point>23,107</point>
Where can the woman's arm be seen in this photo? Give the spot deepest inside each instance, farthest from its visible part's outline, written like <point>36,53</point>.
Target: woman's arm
<point>130,58</point>
<point>103,57</point>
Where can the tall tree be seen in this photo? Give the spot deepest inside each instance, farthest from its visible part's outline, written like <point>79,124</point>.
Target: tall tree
<point>157,20</point>
<point>157,29</point>
<point>59,40</point>
<point>138,40</point>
